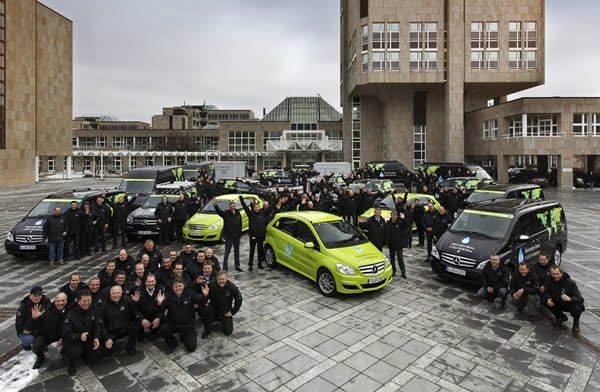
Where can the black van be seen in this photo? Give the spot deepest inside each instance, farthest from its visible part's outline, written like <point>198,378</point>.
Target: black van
<point>517,230</point>
<point>505,191</point>
<point>391,170</point>
<point>140,182</point>
<point>454,169</point>
<point>27,236</point>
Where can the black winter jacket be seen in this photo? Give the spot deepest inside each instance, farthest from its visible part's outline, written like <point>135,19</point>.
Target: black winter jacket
<point>23,318</point>
<point>50,323</point>
<point>566,286</point>
<point>224,299</point>
<point>232,223</point>
<point>79,321</point>
<point>495,278</point>
<point>530,283</point>
<point>116,317</point>
<point>258,221</point>
<point>55,227</point>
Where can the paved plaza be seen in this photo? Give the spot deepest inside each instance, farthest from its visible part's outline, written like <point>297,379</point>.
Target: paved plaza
<point>420,334</point>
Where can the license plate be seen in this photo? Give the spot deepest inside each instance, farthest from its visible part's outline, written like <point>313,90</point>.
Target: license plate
<point>376,280</point>
<point>27,247</point>
<point>144,232</point>
<point>456,271</point>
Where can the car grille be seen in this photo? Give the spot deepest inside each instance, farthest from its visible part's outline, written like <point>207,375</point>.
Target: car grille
<point>29,238</point>
<point>197,227</point>
<point>460,261</point>
<point>145,222</point>
<point>371,269</point>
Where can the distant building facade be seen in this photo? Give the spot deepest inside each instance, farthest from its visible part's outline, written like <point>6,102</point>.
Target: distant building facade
<point>36,98</point>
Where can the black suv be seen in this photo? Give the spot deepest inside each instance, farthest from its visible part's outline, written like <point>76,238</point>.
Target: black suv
<point>242,185</point>
<point>27,237</point>
<point>389,170</point>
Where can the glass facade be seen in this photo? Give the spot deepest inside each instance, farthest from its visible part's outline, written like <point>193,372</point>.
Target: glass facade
<point>356,132</point>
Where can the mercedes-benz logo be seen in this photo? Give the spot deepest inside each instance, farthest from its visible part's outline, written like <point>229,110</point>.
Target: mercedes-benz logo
<point>374,269</point>
<point>29,238</point>
<point>456,260</point>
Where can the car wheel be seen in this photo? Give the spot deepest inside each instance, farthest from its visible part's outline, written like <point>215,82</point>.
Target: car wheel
<point>270,259</point>
<point>557,259</point>
<point>326,282</point>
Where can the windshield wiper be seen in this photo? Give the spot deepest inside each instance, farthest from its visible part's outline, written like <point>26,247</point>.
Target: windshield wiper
<point>489,237</point>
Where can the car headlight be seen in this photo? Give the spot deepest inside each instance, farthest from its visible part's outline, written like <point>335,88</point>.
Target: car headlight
<point>214,226</point>
<point>482,265</point>
<point>130,219</point>
<point>9,237</point>
<point>386,262</point>
<point>344,269</point>
<point>434,252</point>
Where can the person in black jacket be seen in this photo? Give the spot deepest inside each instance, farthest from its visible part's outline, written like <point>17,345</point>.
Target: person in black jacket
<point>562,295</point>
<point>120,212</point>
<point>258,220</point>
<point>81,333</point>
<point>494,279</point>
<point>55,230</point>
<point>418,215</point>
<point>155,256</point>
<point>179,316</point>
<point>147,307</point>
<point>210,255</point>
<point>187,255</point>
<point>164,214</point>
<point>178,274</point>
<point>107,274</point>
<point>397,238</point>
<point>164,273</point>
<point>124,262</point>
<point>180,215</point>
<point>376,229</point>
<point>119,319</point>
<point>223,300</point>
<point>542,270</point>
<point>49,327</point>
<point>193,270</point>
<point>429,225</point>
<point>24,322</point>
<point>72,288</point>
<point>524,290</point>
<point>101,220</point>
<point>232,230</point>
<point>442,221</point>
<point>97,292</point>
<point>87,229</point>
<point>193,203</point>
<point>72,239</point>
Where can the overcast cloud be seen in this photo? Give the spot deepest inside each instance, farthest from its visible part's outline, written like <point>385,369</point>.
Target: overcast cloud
<point>134,57</point>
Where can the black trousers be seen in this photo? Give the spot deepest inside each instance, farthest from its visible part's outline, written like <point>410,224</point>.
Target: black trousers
<point>429,244</point>
<point>72,246</point>
<point>186,333</point>
<point>164,232</point>
<point>81,350</point>
<point>100,242</point>
<point>258,243</point>
<point>87,240</point>
<point>420,232</point>
<point>179,230</point>
<point>229,243</point>
<point>559,308</point>
<point>119,230</point>
<point>209,317</point>
<point>40,343</point>
<point>131,332</point>
<point>397,253</point>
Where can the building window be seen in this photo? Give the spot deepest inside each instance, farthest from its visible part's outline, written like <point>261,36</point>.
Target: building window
<point>206,143</point>
<point>365,38</point>
<point>365,62</point>
<point>490,129</point>
<point>240,141</point>
<point>596,124</point>
<point>167,160</point>
<point>522,45</point>
<point>303,126</point>
<point>377,40</point>
<point>142,143</point>
<point>393,46</point>
<point>530,59</point>
<point>553,161</point>
<point>87,165</point>
<point>2,77</point>
<point>378,61</point>
<point>393,61</point>
<point>272,163</point>
<point>484,45</point>
<point>580,124</point>
<point>117,164</point>
<point>542,125</point>
<point>75,142</point>
<point>274,136</point>
<point>148,161</point>
<point>476,59</point>
<point>420,144</point>
<point>514,59</point>
<point>123,142</point>
<point>364,8</point>
<point>356,132</point>
<point>423,46</point>
<point>51,164</point>
<point>515,127</point>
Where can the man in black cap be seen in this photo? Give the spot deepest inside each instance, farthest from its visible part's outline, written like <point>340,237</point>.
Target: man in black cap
<point>25,324</point>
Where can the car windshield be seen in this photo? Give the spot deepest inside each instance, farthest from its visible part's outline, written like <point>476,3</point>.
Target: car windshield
<point>46,207</point>
<point>488,224</point>
<point>153,200</point>
<point>136,186</point>
<point>337,234</point>
<point>223,204</point>
<point>387,202</point>
<point>479,196</point>
<point>479,172</point>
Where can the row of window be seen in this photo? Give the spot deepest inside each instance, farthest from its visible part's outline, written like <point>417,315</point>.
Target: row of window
<point>522,45</point>
<point>544,125</point>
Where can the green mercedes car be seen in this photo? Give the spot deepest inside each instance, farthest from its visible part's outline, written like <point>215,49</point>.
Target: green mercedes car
<point>328,250</point>
<point>207,225</point>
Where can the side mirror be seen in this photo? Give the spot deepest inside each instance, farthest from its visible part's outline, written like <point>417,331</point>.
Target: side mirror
<point>309,245</point>
<point>523,237</point>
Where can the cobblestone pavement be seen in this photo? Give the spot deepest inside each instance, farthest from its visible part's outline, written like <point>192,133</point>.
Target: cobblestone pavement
<point>419,334</point>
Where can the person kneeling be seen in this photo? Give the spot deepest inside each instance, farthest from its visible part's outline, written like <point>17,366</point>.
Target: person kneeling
<point>223,299</point>
<point>524,288</point>
<point>494,278</point>
<point>49,327</point>
<point>120,319</point>
<point>562,295</point>
<point>179,311</point>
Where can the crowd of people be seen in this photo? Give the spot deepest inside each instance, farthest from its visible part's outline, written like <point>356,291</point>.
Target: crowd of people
<point>150,296</point>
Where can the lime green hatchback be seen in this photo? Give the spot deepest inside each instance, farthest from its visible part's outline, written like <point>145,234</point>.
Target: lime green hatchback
<point>207,225</point>
<point>328,250</point>
<point>388,205</point>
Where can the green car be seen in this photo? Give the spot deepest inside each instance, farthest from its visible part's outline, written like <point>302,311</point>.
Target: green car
<point>328,250</point>
<point>387,205</point>
<point>207,225</point>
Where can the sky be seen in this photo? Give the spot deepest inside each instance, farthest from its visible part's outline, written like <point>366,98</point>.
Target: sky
<point>131,58</point>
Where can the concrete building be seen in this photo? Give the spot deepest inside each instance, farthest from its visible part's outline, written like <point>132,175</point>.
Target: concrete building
<point>35,90</point>
<point>300,130</point>
<point>411,69</point>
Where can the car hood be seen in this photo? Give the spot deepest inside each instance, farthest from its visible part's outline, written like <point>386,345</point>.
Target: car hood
<point>204,219</point>
<point>30,226</point>
<point>357,255</point>
<point>474,246</point>
<point>143,212</point>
